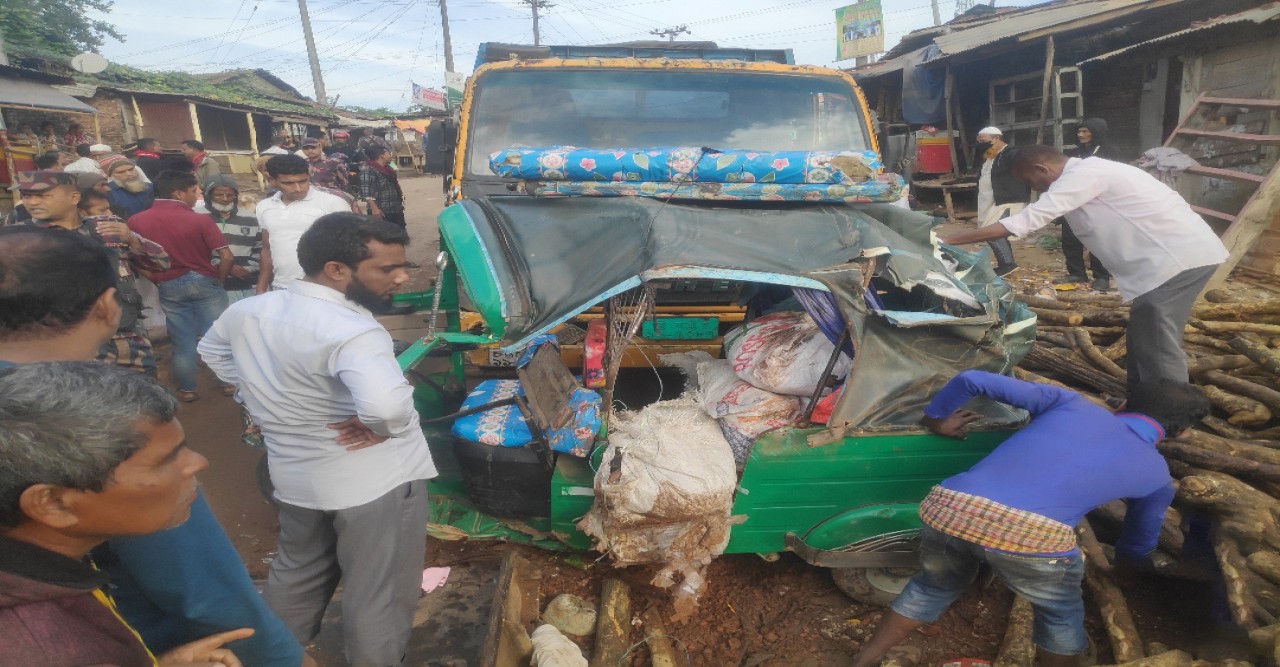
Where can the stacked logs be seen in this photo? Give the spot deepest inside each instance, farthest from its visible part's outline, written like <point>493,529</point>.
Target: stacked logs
<point>1227,470</point>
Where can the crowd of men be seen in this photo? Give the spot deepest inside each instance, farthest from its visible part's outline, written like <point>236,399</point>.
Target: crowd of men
<point>300,349</point>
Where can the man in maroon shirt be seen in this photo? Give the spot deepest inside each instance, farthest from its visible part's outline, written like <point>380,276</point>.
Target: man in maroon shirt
<point>191,290</point>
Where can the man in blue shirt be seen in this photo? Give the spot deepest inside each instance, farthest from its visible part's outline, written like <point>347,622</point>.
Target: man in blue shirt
<point>1017,508</point>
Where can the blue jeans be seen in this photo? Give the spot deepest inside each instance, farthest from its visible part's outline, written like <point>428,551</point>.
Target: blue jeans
<point>191,303</point>
<point>948,565</point>
<point>185,583</point>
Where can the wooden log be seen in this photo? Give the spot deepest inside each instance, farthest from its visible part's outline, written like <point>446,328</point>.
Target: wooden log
<point>1054,339</point>
<point>1215,327</point>
<point>1166,659</point>
<point>1221,295</point>
<point>1070,366</point>
<point>1117,350</point>
<point>1084,343</point>
<point>1233,568</point>
<point>1017,649</point>
<point>1207,341</point>
<point>613,624</point>
<point>1266,564</point>
<point>1236,311</point>
<point>1265,395</point>
<point>1077,296</point>
<point>1069,318</point>
<point>1245,514</point>
<point>1244,411</point>
<point>1126,643</point>
<point>1036,301</point>
<point>1171,537</point>
<point>1258,354</point>
<point>1105,318</point>
<point>1209,460</point>
<point>1272,433</point>
<point>1227,362</point>
<point>1222,428</point>
<point>1027,376</point>
<point>1231,447</point>
<point>661,650</point>
<point>1096,332</point>
<point>1264,639</point>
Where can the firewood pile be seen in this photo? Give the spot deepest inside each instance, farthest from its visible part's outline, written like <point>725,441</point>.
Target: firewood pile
<point>1227,469</point>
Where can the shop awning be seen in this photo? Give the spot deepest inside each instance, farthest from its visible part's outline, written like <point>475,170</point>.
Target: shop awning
<point>38,95</point>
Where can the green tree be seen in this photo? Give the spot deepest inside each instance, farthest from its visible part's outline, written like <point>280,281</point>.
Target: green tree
<point>54,27</point>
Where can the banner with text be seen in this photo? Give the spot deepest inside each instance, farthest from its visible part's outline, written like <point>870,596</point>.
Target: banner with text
<point>454,84</point>
<point>428,97</point>
<point>859,30</point>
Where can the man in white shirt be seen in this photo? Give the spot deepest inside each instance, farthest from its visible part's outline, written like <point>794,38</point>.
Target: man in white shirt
<point>1160,252</point>
<point>84,164</point>
<point>285,216</point>
<point>344,446</point>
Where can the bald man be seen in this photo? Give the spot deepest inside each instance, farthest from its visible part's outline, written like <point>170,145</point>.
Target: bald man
<point>1160,252</point>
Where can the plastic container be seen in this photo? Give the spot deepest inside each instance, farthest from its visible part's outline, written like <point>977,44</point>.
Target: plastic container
<point>933,153</point>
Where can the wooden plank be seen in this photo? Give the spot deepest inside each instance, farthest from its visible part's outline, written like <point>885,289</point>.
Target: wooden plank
<point>613,624</point>
<point>1258,216</point>
<point>1242,102</point>
<point>515,608</point>
<point>949,90</point>
<point>1212,213</point>
<point>1044,87</point>
<point>1229,174</point>
<point>1266,139</point>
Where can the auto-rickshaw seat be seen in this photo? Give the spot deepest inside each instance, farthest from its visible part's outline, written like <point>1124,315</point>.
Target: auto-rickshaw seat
<point>549,387</point>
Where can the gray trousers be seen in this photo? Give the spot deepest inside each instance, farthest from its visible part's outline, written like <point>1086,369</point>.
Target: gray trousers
<point>377,550</point>
<point>1156,323</point>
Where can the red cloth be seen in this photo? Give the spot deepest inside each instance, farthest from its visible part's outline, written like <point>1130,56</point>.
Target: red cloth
<point>188,237</point>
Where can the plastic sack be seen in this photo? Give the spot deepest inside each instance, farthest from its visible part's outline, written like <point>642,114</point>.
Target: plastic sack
<point>744,411</point>
<point>552,649</point>
<point>826,405</point>
<point>784,353</point>
<point>670,500</point>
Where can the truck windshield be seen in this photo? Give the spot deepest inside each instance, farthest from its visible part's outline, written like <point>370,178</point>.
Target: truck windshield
<point>634,108</point>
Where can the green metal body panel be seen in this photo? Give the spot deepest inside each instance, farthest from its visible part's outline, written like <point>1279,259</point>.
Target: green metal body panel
<point>864,523</point>
<point>681,328</point>
<point>460,240</point>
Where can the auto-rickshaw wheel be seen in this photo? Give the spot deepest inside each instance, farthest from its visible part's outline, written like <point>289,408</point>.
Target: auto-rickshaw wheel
<point>872,585</point>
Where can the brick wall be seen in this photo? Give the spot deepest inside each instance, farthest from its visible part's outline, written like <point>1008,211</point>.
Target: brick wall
<point>110,122</point>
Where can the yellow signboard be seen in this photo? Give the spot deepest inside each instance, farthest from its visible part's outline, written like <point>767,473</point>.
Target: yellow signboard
<point>859,30</point>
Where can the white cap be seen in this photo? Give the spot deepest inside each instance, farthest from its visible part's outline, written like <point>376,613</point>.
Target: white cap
<point>993,131</point>
<point>99,148</point>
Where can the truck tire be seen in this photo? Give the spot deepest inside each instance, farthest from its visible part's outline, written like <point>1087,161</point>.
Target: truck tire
<point>872,585</point>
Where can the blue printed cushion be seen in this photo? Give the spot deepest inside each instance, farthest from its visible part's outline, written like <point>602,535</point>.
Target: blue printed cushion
<point>684,164</point>
<point>505,427</point>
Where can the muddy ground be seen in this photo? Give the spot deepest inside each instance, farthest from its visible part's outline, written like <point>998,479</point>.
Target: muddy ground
<point>752,612</point>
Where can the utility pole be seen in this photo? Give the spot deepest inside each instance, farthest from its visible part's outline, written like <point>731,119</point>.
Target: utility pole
<point>535,5</point>
<point>670,33</point>
<point>4,58</point>
<point>937,18</point>
<point>448,45</point>
<point>316,79</point>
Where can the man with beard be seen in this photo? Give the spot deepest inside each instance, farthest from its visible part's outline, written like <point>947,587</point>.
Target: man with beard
<point>244,238</point>
<point>128,191</point>
<point>286,215</point>
<point>347,455</point>
<point>147,157</point>
<point>53,199</point>
<point>206,167</point>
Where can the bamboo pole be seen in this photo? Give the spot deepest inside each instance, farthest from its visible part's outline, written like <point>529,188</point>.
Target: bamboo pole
<point>195,122</point>
<point>1044,88</point>
<point>137,116</point>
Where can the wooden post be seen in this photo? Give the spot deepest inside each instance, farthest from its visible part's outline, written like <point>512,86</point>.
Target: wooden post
<point>97,130</point>
<point>964,134</point>
<point>253,144</point>
<point>948,91</point>
<point>195,121</point>
<point>613,624</point>
<point>1044,88</point>
<point>137,116</point>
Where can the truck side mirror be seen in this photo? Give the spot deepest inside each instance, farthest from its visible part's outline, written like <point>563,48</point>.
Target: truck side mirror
<point>441,140</point>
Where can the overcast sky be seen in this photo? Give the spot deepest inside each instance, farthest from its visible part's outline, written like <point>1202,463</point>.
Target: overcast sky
<point>371,49</point>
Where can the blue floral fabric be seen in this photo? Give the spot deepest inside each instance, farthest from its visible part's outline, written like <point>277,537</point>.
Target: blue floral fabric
<point>505,427</point>
<point>683,164</point>
<point>886,188</point>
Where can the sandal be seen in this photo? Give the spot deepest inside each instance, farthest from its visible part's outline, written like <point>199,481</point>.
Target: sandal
<point>188,396</point>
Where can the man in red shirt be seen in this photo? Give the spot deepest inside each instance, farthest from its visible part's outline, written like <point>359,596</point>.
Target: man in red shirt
<point>191,290</point>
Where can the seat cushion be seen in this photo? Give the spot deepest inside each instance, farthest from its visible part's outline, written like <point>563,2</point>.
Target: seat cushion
<point>505,426</point>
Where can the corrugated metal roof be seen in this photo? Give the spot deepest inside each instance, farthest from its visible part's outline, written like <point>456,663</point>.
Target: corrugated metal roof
<point>1257,15</point>
<point>38,94</point>
<point>1014,24</point>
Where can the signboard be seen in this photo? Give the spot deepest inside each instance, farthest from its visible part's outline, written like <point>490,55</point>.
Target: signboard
<point>859,30</point>
<point>429,98</point>
<point>454,83</point>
